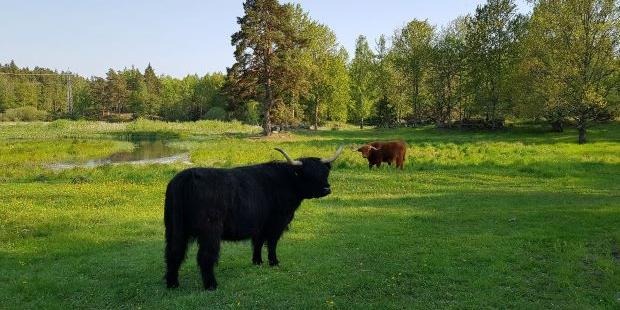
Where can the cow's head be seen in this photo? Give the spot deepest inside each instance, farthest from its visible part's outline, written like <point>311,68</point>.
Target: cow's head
<point>312,173</point>
<point>366,149</point>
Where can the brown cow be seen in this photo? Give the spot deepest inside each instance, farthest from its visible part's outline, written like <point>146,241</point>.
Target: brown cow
<point>387,152</point>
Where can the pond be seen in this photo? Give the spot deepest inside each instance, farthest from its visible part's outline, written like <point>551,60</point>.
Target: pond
<point>144,152</point>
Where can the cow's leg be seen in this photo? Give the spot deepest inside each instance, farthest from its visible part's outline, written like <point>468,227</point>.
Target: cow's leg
<point>257,248</point>
<point>208,254</point>
<point>176,246</point>
<point>272,243</point>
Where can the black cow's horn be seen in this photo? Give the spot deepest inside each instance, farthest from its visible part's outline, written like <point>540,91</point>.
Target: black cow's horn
<point>288,158</point>
<point>331,159</point>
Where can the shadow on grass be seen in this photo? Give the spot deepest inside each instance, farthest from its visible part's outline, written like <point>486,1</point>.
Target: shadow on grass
<point>400,251</point>
<point>526,134</point>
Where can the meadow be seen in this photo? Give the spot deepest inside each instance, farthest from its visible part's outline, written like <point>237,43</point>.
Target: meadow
<point>518,218</point>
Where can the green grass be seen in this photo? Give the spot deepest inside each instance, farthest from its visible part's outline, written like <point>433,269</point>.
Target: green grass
<point>520,218</point>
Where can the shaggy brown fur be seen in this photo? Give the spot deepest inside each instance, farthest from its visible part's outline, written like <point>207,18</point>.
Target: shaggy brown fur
<point>384,152</point>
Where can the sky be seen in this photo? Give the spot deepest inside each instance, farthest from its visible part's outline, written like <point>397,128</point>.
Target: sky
<point>179,37</point>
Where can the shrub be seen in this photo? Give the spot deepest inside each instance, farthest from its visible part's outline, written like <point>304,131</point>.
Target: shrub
<point>252,114</point>
<point>23,114</point>
<point>216,113</point>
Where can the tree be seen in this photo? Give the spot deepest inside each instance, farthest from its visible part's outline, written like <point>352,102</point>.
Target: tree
<point>116,91</point>
<point>574,50</point>
<point>492,35</point>
<point>262,46</point>
<point>412,48</point>
<point>340,97</point>
<point>207,94</point>
<point>137,99</point>
<point>447,73</point>
<point>153,91</point>
<point>323,72</point>
<point>363,92</point>
<point>100,102</point>
<point>27,94</point>
<point>384,79</point>
<point>7,93</point>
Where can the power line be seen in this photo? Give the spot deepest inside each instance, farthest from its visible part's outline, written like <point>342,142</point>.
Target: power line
<point>61,74</point>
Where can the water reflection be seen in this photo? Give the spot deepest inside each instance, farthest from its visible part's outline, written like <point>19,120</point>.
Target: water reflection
<point>144,152</point>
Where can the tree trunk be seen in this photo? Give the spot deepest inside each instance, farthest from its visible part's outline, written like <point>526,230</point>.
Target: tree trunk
<point>362,124</point>
<point>267,109</point>
<point>582,134</point>
<point>557,126</point>
<point>316,116</point>
<point>268,93</point>
<point>415,103</point>
<point>266,122</point>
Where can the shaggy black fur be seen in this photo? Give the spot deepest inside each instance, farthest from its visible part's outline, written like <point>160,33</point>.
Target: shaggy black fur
<point>253,202</point>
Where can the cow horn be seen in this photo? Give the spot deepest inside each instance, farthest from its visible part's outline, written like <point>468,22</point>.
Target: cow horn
<point>373,148</point>
<point>331,159</point>
<point>288,158</point>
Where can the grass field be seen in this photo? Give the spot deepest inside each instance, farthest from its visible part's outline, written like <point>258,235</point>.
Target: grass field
<point>521,218</point>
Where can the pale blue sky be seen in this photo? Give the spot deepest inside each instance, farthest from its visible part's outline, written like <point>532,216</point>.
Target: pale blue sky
<point>178,37</point>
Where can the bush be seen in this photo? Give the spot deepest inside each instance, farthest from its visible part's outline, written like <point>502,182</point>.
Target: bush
<point>252,114</point>
<point>23,114</point>
<point>216,113</point>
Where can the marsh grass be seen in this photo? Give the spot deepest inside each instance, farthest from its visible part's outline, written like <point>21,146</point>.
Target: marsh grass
<point>519,218</point>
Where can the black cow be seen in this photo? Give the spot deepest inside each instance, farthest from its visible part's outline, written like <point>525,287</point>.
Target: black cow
<point>257,202</point>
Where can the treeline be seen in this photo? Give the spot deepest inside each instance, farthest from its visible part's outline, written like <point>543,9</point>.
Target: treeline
<point>560,64</point>
<point>38,94</point>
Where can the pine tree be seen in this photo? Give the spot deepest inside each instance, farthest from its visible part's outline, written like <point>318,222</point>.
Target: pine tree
<point>261,48</point>
<point>117,93</point>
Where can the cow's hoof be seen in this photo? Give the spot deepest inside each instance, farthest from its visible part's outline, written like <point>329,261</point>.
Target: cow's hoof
<point>257,262</point>
<point>211,287</point>
<point>274,263</point>
<point>173,284</point>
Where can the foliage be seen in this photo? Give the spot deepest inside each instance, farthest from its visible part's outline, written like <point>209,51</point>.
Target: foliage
<point>413,51</point>
<point>322,62</point>
<point>448,74</point>
<point>491,39</point>
<point>216,113</point>
<point>560,64</point>
<point>263,46</point>
<point>120,93</point>
<point>23,114</point>
<point>572,55</point>
<point>363,90</point>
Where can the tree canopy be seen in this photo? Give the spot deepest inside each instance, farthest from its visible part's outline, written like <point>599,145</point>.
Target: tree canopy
<point>559,64</point>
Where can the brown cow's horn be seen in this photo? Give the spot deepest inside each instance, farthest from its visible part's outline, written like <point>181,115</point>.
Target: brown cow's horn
<point>331,159</point>
<point>288,158</point>
<point>373,148</point>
